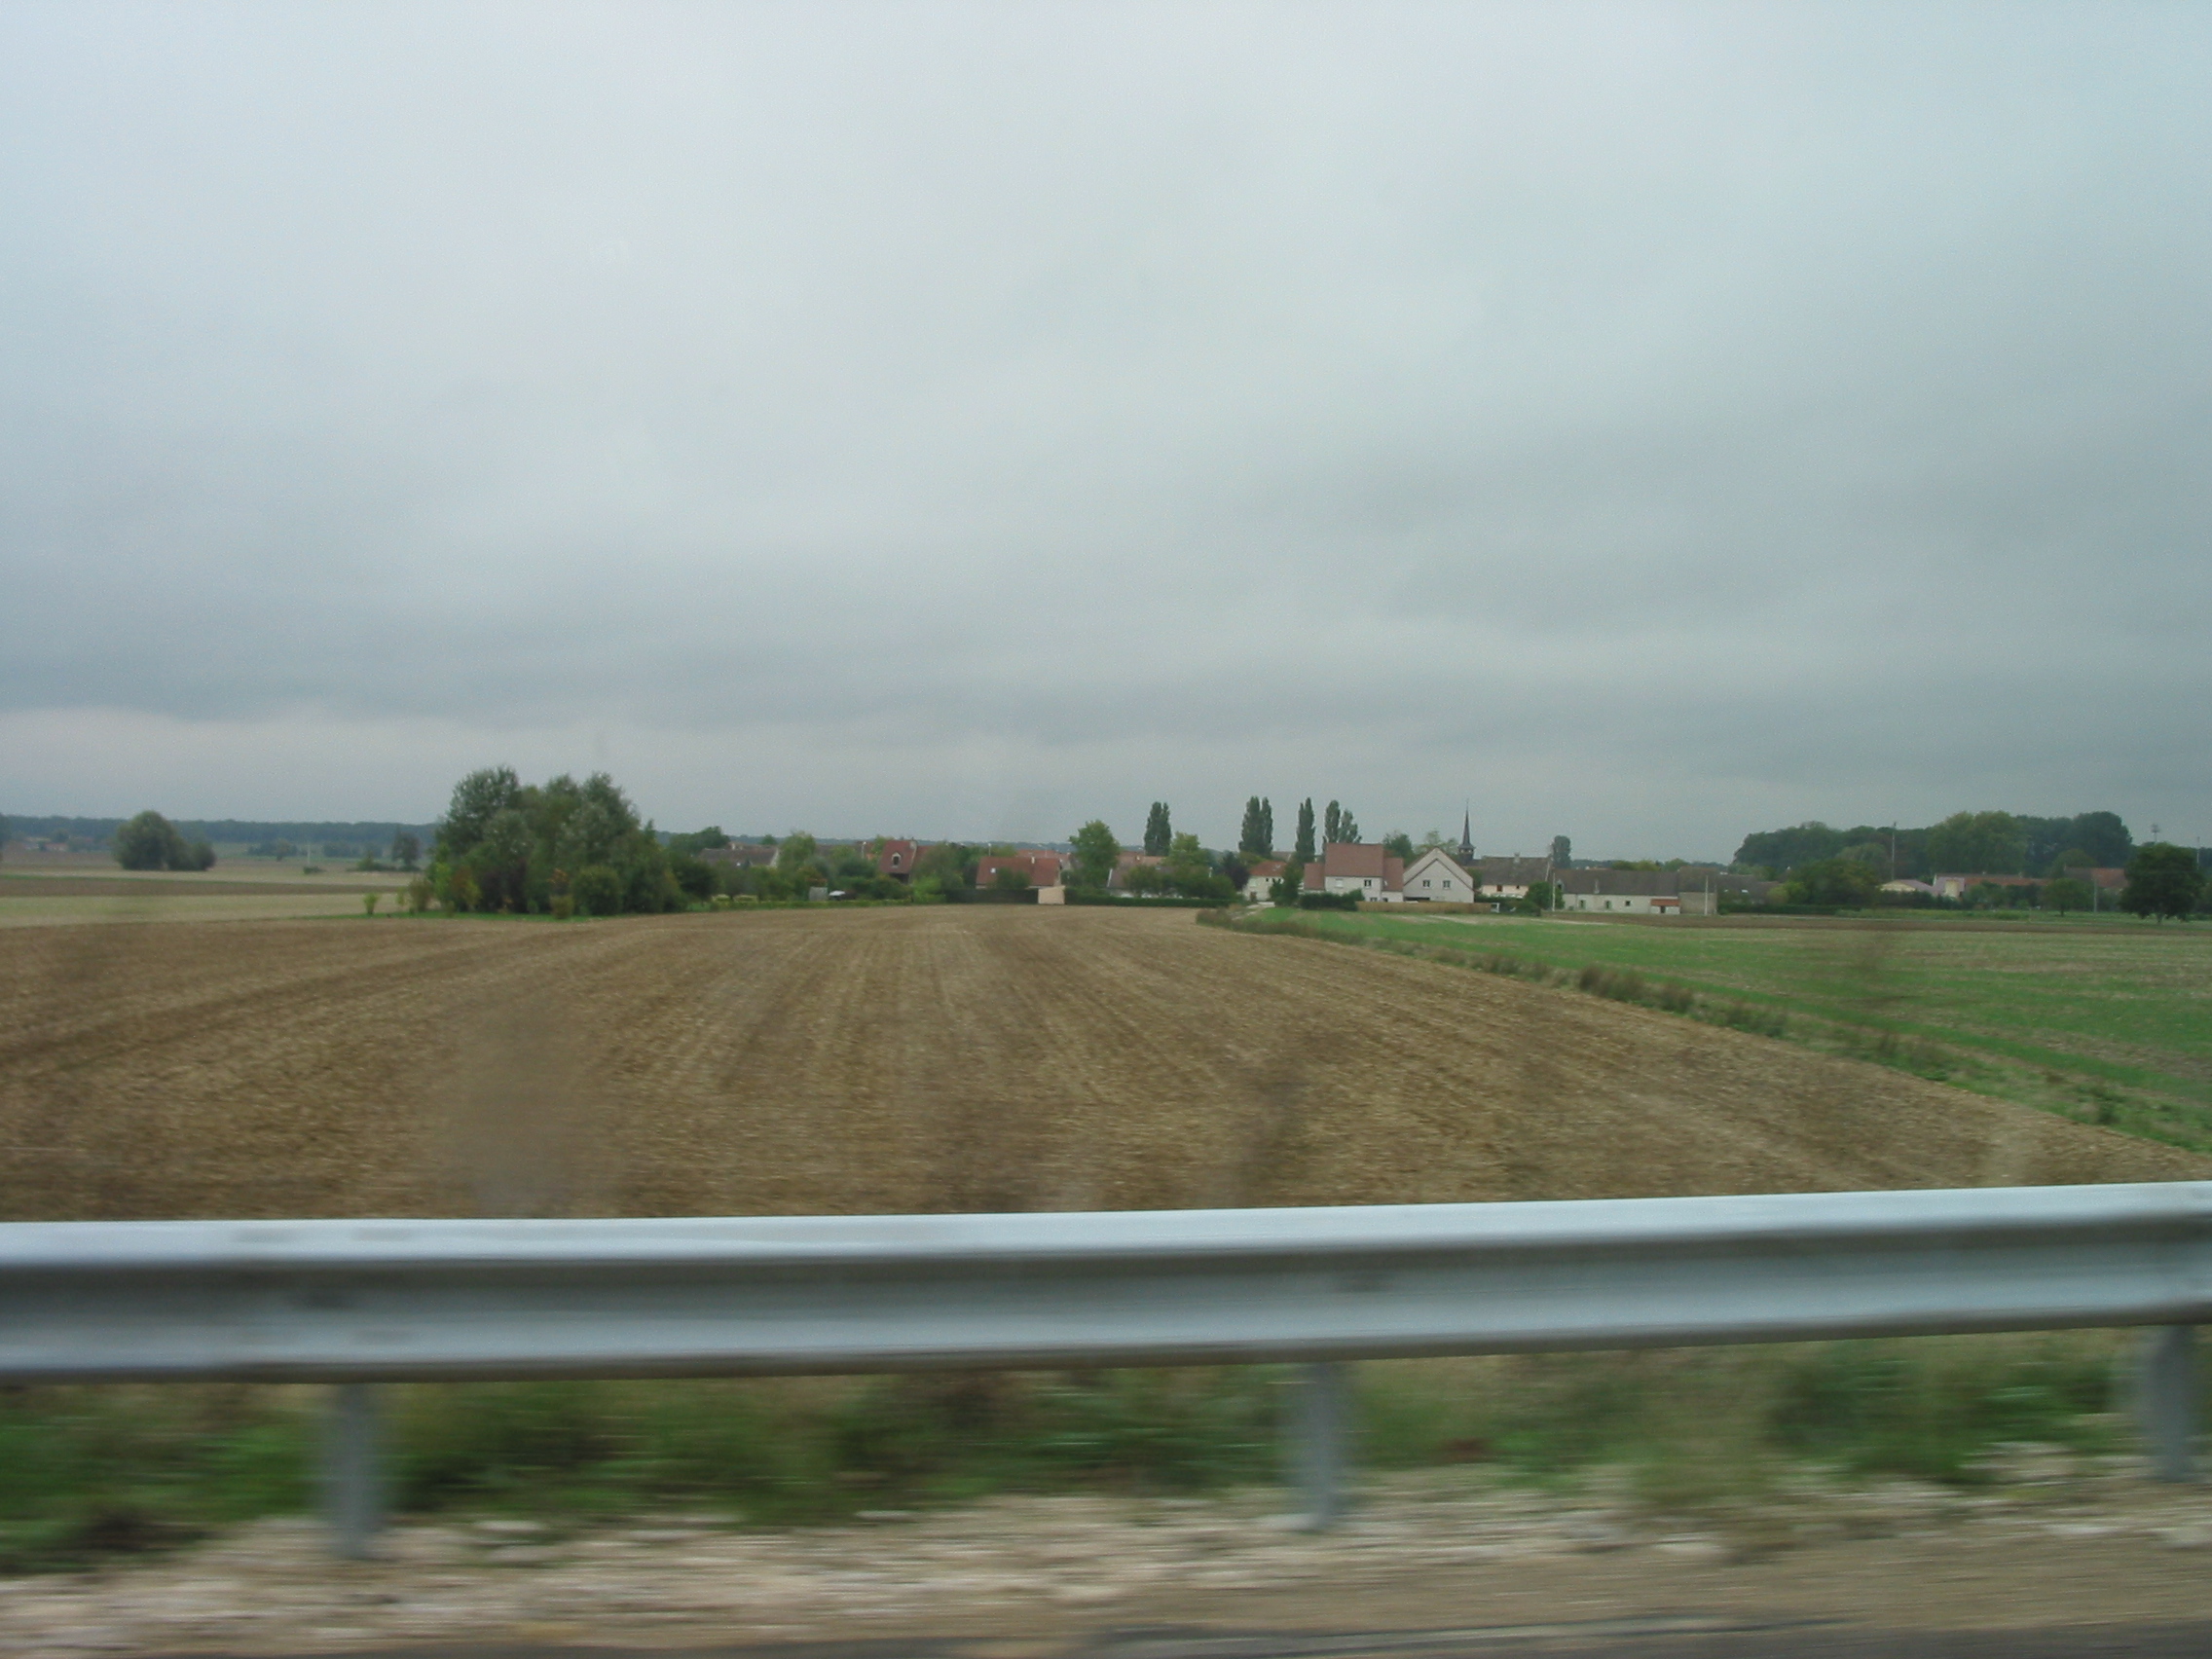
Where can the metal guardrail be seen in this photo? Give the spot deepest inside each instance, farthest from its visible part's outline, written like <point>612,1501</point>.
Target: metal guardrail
<point>361,1302</point>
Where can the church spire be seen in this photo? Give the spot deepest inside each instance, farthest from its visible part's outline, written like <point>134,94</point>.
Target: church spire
<point>1468,836</point>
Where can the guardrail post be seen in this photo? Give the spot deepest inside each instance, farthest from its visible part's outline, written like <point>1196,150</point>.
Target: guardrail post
<point>1318,1427</point>
<point>352,1485</point>
<point>2168,1401</point>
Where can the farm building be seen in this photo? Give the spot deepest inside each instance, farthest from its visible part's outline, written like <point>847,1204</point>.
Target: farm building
<point>1634,893</point>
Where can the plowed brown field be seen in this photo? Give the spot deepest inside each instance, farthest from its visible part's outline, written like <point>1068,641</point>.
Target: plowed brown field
<point>978,1057</point>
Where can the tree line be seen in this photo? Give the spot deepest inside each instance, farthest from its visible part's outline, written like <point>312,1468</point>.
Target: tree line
<point>1965,843</point>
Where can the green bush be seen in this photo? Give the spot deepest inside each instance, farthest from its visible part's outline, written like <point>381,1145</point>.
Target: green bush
<point>596,891</point>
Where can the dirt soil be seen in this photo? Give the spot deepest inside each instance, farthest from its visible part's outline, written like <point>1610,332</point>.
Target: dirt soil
<point>901,1060</point>
<point>1475,1564</point>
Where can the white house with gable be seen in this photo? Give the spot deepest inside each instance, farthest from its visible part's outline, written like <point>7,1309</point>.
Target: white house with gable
<point>1437,878</point>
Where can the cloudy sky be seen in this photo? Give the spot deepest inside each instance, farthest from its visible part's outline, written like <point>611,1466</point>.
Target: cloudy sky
<point>1648,423</point>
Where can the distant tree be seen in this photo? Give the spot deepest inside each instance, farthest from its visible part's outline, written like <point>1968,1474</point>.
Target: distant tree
<point>2103,836</point>
<point>1783,850</point>
<point>2162,880</point>
<point>1330,823</point>
<point>1286,888</point>
<point>1874,855</point>
<point>698,840</point>
<point>1838,881</point>
<point>1267,826</point>
<point>1303,850</point>
<point>947,864</point>
<point>1543,895</point>
<point>150,841</point>
<point>406,849</point>
<point>2067,893</point>
<point>798,851</point>
<point>1190,871</point>
<point>1144,880</point>
<point>1347,828</point>
<point>2074,858</point>
<point>1398,844</point>
<point>1096,853</point>
<point>1563,853</point>
<point>1249,839</point>
<point>1158,832</point>
<point>1235,872</point>
<point>1979,844</point>
<point>1010,878</point>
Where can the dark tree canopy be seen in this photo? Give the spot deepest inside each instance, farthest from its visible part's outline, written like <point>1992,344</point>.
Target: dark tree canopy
<point>504,845</point>
<point>1096,853</point>
<point>1303,849</point>
<point>1159,833</point>
<point>2162,880</point>
<point>150,841</point>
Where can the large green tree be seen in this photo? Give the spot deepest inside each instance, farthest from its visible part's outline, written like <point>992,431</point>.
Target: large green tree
<point>2103,836</point>
<point>1096,853</point>
<point>1838,881</point>
<point>2162,880</point>
<point>504,845</point>
<point>1303,849</point>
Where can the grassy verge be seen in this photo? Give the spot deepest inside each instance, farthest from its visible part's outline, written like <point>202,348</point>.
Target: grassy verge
<point>86,1472</point>
<point>2106,1024</point>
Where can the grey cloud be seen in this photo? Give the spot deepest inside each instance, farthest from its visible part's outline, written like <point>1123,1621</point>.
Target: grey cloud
<point>1809,402</point>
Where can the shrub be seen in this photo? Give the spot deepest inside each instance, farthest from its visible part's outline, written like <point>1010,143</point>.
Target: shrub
<point>369,903</point>
<point>420,894</point>
<point>150,841</point>
<point>596,891</point>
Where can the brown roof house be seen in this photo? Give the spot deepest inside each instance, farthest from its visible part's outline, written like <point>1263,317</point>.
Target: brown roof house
<point>897,860</point>
<point>1363,867</point>
<point>1042,868</point>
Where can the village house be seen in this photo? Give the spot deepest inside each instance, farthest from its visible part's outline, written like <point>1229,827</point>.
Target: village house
<point>896,858</point>
<point>1435,878</point>
<point>1365,869</point>
<point>1958,886</point>
<point>742,854</point>
<point>1634,893</point>
<point>1509,877</point>
<point>1260,879</point>
<point>1042,868</point>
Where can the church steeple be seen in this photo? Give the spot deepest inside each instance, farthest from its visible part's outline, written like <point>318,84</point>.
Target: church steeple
<point>1467,837</point>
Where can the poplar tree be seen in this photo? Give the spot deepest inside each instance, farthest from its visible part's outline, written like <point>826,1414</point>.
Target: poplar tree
<point>1347,828</point>
<point>1249,832</point>
<point>1304,852</point>
<point>1331,821</point>
<point>1158,834</point>
<point>1267,825</point>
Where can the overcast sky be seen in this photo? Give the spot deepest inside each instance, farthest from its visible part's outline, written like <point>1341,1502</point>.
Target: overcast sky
<point>1648,423</point>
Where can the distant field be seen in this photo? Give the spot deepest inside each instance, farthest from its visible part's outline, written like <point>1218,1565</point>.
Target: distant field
<point>42,891</point>
<point>2104,1020</point>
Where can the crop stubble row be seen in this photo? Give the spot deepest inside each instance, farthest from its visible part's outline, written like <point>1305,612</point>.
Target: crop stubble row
<point>947,1058</point>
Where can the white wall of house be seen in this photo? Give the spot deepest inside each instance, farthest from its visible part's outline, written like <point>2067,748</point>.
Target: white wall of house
<point>1368,887</point>
<point>1437,878</point>
<point>1620,903</point>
